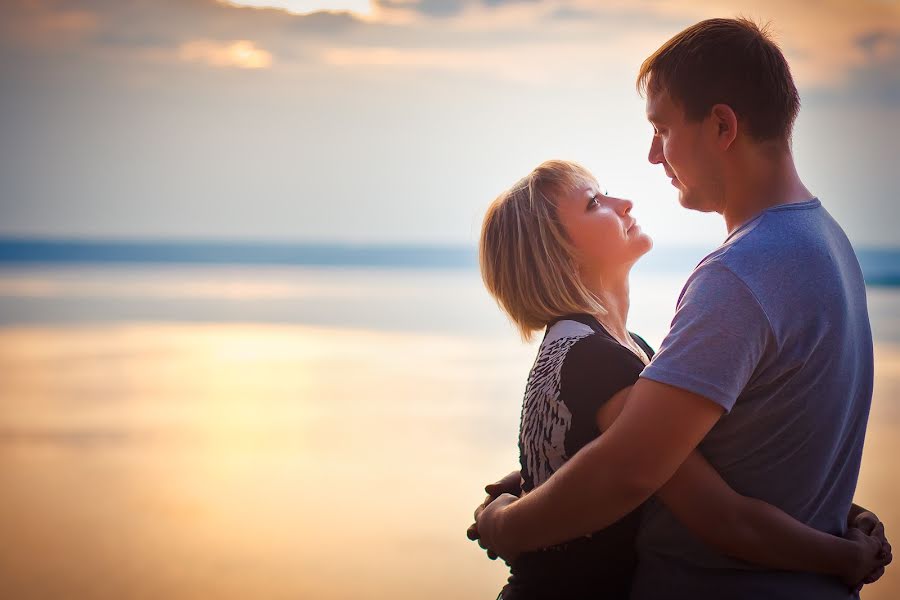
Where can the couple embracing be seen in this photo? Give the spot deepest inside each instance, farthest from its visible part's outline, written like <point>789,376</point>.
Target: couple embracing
<point>724,464</point>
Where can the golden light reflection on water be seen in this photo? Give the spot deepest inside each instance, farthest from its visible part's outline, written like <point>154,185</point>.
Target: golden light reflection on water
<point>240,461</point>
<point>878,487</point>
<point>244,460</point>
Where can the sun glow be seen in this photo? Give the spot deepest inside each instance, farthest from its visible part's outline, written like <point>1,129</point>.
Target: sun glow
<point>242,54</point>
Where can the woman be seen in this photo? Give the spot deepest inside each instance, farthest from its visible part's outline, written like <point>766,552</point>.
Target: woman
<point>556,254</point>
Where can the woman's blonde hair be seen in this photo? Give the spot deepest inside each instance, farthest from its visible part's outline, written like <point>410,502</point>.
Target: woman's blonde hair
<point>527,260</point>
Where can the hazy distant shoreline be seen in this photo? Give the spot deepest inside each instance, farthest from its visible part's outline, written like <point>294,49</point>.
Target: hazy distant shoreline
<point>881,266</point>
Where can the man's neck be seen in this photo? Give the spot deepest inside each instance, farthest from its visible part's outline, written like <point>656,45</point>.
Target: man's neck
<point>767,178</point>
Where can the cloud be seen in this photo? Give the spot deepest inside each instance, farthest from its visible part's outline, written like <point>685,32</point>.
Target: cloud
<point>141,24</point>
<point>824,46</point>
<point>242,54</point>
<point>303,7</point>
<point>530,64</point>
<point>430,8</point>
<point>880,45</point>
<point>874,81</point>
<point>41,23</point>
<point>508,2</point>
<point>881,77</point>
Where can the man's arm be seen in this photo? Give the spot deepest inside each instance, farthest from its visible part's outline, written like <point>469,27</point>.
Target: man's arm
<point>750,529</point>
<point>609,477</point>
<point>753,530</point>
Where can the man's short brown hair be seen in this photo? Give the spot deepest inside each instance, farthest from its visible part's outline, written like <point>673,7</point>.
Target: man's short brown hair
<point>726,61</point>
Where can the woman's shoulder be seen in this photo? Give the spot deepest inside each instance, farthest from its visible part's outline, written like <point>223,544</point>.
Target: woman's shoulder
<point>581,341</point>
<point>569,327</point>
<point>599,352</point>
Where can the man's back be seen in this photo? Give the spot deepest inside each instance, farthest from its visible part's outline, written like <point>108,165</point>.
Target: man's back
<point>774,327</point>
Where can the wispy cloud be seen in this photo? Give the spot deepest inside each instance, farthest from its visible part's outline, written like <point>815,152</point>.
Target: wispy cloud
<point>40,23</point>
<point>302,7</point>
<point>243,54</point>
<point>822,45</point>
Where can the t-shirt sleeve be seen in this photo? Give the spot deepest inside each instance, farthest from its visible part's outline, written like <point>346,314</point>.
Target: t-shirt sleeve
<point>717,339</point>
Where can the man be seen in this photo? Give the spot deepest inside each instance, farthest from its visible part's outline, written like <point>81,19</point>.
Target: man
<point>768,365</point>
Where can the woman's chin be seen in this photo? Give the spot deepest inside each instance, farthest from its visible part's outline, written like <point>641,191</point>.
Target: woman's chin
<point>641,250</point>
<point>647,244</point>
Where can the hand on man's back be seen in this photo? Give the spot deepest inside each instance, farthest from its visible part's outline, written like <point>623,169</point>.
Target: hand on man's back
<point>869,524</point>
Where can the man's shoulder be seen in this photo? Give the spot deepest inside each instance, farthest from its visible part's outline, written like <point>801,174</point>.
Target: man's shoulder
<point>799,236</point>
<point>747,249</point>
<point>762,257</point>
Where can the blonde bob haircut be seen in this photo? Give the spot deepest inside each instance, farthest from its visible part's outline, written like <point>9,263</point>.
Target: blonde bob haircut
<point>528,262</point>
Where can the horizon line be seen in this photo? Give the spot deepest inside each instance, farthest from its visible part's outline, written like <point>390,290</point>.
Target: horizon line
<point>321,243</point>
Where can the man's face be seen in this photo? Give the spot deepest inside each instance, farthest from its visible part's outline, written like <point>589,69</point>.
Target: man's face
<point>679,145</point>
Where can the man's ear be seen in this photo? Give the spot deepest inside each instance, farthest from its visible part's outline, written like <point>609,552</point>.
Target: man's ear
<point>726,123</point>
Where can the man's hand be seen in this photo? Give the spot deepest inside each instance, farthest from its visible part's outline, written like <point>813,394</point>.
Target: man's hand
<point>866,523</point>
<point>509,484</point>
<point>489,523</point>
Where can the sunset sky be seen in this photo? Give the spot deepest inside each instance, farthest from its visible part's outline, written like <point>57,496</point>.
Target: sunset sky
<point>395,120</point>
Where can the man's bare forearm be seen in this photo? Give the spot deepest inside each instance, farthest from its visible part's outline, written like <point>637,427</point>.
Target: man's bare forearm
<point>614,474</point>
<point>584,495</point>
<point>656,431</point>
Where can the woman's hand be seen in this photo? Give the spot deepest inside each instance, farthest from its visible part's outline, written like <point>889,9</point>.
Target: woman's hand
<point>864,523</point>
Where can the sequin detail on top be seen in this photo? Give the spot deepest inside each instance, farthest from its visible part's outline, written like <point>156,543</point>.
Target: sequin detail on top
<point>546,420</point>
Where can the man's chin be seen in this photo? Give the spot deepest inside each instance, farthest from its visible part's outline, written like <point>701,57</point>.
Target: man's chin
<point>691,202</point>
<point>685,200</point>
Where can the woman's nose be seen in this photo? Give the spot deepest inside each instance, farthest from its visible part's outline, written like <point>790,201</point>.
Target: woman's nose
<point>623,206</point>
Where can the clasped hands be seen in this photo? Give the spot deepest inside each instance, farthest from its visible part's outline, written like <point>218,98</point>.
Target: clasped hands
<point>486,529</point>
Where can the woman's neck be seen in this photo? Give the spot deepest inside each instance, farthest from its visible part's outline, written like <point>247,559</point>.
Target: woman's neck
<point>612,289</point>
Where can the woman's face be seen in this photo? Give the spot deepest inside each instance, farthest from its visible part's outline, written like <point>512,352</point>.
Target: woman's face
<point>605,235</point>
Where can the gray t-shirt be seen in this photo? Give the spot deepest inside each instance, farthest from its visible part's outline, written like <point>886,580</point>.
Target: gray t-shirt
<point>773,326</point>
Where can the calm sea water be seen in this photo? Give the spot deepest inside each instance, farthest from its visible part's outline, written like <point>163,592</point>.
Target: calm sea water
<point>213,430</point>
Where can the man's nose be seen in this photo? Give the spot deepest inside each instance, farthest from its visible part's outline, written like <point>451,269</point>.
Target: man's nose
<point>655,157</point>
